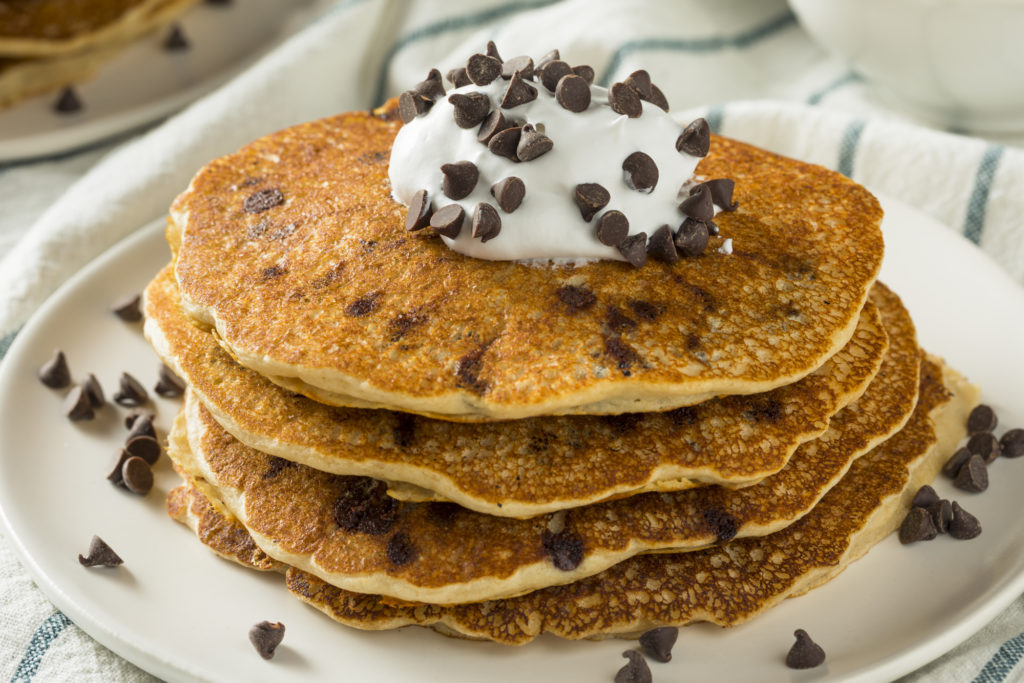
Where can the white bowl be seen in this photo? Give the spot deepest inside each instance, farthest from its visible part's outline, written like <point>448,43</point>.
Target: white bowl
<point>959,63</point>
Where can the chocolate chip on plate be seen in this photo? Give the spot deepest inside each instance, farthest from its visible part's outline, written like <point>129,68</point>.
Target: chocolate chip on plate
<point>131,392</point>
<point>984,444</point>
<point>263,200</point>
<point>635,671</point>
<point>114,470</point>
<point>94,391</point>
<point>640,172</point>
<point>612,228</point>
<point>695,139</point>
<point>482,69</point>
<point>963,525</point>
<point>509,193</point>
<point>137,475</point>
<point>590,198</point>
<point>100,555</point>
<point>624,100</point>
<point>573,93</point>
<point>532,144</point>
<point>805,653</point>
<point>657,643</point>
<point>924,497</point>
<point>141,425</point>
<point>492,125</point>
<point>469,109</point>
<point>55,373</point>
<point>127,308</point>
<point>459,179</point>
<point>77,406</point>
<point>145,447</point>
<point>523,64</point>
<point>265,637</point>
<point>420,211</point>
<point>519,92</point>
<point>486,222</point>
<point>176,40</point>
<point>634,249</point>
<point>168,384</point>
<point>1012,443</point>
<point>448,220</point>
<point>662,246</point>
<point>981,419</point>
<point>68,102</point>
<point>942,514</point>
<point>917,526</point>
<point>505,143</point>
<point>692,237</point>
<point>973,475</point>
<point>955,462</point>
<point>553,72</point>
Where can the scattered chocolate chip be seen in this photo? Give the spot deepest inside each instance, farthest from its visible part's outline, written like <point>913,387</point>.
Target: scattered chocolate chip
<point>635,671</point>
<point>917,526</point>
<point>553,72</point>
<point>168,384</point>
<point>565,548</point>
<point>722,524</point>
<point>590,198</point>
<point>699,204</point>
<point>612,228</point>
<point>263,200</point>
<point>963,525</point>
<point>532,144</point>
<point>955,462</point>
<point>981,419</point>
<point>469,108</point>
<point>459,179</point>
<point>77,406</point>
<point>448,220</point>
<point>141,425</point>
<point>692,237</point>
<point>67,102</point>
<point>145,447</point>
<point>634,249</point>
<point>492,125</point>
<point>363,506</point>
<point>657,643</point>
<point>482,69</point>
<point>640,82</point>
<point>411,105</point>
<point>695,139</point>
<point>458,77</point>
<point>176,40</point>
<point>1012,443</point>
<point>509,193</point>
<point>942,513</point>
<point>984,444</point>
<point>431,87</point>
<point>55,373</point>
<point>94,391</point>
<point>128,309</point>
<point>131,392</point>
<point>519,92</point>
<point>420,211</point>
<point>114,470</point>
<point>662,245</point>
<point>658,98</point>
<point>721,192</point>
<point>137,475</point>
<point>505,143</point>
<point>100,555</point>
<point>640,172</point>
<point>973,475</point>
<point>576,298</point>
<point>624,100</point>
<point>925,497</point>
<point>805,653</point>
<point>547,59</point>
<point>573,93</point>
<point>486,222</point>
<point>586,72</point>
<point>401,550</point>
<point>492,51</point>
<point>265,637</point>
<point>523,64</point>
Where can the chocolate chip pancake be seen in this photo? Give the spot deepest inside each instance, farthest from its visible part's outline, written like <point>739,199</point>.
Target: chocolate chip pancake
<point>525,467</point>
<point>294,251</point>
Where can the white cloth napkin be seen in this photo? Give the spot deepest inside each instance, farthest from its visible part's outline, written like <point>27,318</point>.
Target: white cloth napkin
<point>745,64</point>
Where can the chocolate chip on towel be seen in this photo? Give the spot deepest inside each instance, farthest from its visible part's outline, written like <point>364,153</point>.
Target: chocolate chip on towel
<point>695,139</point>
<point>77,406</point>
<point>131,392</point>
<point>168,384</point>
<point>973,475</point>
<point>263,200</point>
<point>964,525</point>
<point>55,372</point>
<point>448,220</point>
<point>573,93</point>
<point>624,100</point>
<point>482,69</point>
<point>94,391</point>
<point>100,555</point>
<point>805,653</point>
<point>657,643</point>
<point>486,222</point>
<point>612,228</point>
<point>634,249</point>
<point>981,419</point>
<point>469,109</point>
<point>127,308</point>
<point>137,475</point>
<point>509,193</point>
<point>1012,443</point>
<point>636,671</point>
<point>917,526</point>
<point>590,198</point>
<point>265,637</point>
<point>459,179</point>
<point>640,172</point>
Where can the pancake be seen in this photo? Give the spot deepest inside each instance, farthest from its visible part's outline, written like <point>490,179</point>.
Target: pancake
<point>346,530</point>
<point>23,78</point>
<point>328,295</point>
<point>726,584</point>
<point>526,467</point>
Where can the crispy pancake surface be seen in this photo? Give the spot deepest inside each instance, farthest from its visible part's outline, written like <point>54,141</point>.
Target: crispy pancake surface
<point>326,293</point>
<point>525,467</point>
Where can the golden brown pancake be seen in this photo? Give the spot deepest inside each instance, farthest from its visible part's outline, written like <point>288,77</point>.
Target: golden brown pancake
<point>525,467</point>
<point>327,294</point>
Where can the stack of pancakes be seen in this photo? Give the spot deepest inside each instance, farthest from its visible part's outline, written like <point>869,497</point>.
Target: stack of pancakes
<point>48,44</point>
<point>498,450</point>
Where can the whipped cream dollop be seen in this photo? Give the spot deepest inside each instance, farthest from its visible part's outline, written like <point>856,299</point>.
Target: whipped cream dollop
<point>588,147</point>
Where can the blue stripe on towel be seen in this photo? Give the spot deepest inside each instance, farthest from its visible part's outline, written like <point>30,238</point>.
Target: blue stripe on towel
<point>1002,663</point>
<point>845,79</point>
<point>848,147</point>
<point>715,117</point>
<point>37,647</point>
<point>6,341</point>
<point>974,222</point>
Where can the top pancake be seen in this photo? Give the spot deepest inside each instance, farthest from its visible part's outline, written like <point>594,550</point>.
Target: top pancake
<point>329,295</point>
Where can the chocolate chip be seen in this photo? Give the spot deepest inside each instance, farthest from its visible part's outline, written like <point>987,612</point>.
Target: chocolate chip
<point>137,475</point>
<point>505,143</point>
<point>486,222</point>
<point>634,249</point>
<point>411,105</point>
<point>984,444</point>
<point>657,643</point>
<point>469,108</point>
<point>67,102</point>
<point>692,238</point>
<point>590,198</point>
<point>955,462</point>
<point>624,100</point>
<point>942,513</point>
<point>964,525</point>
<point>612,228</point>
<point>553,72</point>
<point>55,373</point>
<point>459,179</point>
<point>363,506</point>
<point>492,51</point>
<point>722,524</point>
<point>565,548</point>
<point>100,555</point>
<point>658,98</point>
<point>695,139</point>
<point>662,246</point>
<point>640,172</point>
<point>420,210</point>
<point>618,322</point>
<point>586,72</point>
<point>573,93</point>
<point>699,204</point>
<point>141,425</point>
<point>509,193</point>
<point>401,550</point>
<point>127,308</point>
<point>492,125</point>
<point>721,192</point>
<point>523,64</point>
<point>448,220</point>
<point>547,59</point>
<point>924,497</point>
<point>168,384</point>
<point>77,406</point>
<point>458,77</point>
<point>917,526</point>
<point>576,298</point>
<point>145,447</point>
<point>518,92</point>
<point>805,653</point>
<point>265,637</point>
<point>176,40</point>
<point>640,82</point>
<point>131,392</point>
<point>431,87</point>
<point>94,391</point>
<point>973,475</point>
<point>482,69</point>
<point>636,671</point>
<point>532,144</point>
<point>1012,443</point>
<point>981,419</point>
<point>364,305</point>
<point>114,475</point>
<point>263,200</point>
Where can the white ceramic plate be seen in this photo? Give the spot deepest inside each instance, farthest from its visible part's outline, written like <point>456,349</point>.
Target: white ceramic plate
<point>146,82</point>
<point>181,613</point>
